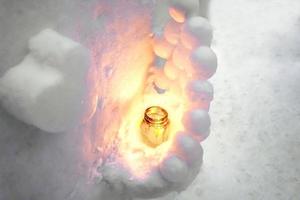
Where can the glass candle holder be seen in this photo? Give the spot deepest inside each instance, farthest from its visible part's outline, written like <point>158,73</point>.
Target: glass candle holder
<point>155,126</point>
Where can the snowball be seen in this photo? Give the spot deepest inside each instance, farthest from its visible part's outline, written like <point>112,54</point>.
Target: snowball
<point>203,63</point>
<point>197,122</point>
<point>172,32</point>
<point>162,47</point>
<point>171,71</point>
<point>173,169</point>
<point>181,57</point>
<point>152,186</point>
<point>189,147</point>
<point>162,82</point>
<point>47,88</point>
<point>199,90</point>
<point>178,14</point>
<point>180,9</point>
<point>160,16</point>
<point>114,174</point>
<point>195,32</point>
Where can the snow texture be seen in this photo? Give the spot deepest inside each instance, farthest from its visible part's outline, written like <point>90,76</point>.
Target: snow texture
<point>253,151</point>
<point>55,70</point>
<point>47,88</point>
<point>174,173</point>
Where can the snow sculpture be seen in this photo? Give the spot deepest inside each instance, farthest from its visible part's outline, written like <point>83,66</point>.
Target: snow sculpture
<point>185,62</point>
<point>165,63</point>
<point>47,88</point>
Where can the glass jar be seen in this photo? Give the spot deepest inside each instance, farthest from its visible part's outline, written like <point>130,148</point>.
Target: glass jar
<point>155,126</point>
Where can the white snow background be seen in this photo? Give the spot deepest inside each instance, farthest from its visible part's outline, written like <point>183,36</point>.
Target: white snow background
<point>253,151</point>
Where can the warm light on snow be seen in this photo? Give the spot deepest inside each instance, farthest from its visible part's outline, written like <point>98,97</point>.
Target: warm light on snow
<point>124,67</point>
<point>127,72</point>
<point>138,155</point>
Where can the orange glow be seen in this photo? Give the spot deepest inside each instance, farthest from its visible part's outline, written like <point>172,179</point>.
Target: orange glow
<point>162,47</point>
<point>177,14</point>
<point>154,127</point>
<point>118,99</point>
<point>139,156</point>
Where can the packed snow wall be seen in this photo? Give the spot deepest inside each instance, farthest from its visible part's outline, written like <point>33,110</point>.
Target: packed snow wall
<point>142,54</point>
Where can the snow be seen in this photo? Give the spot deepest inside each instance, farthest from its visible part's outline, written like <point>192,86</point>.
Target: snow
<point>253,150</point>
<point>197,121</point>
<point>204,62</point>
<point>196,31</point>
<point>174,170</point>
<point>54,69</point>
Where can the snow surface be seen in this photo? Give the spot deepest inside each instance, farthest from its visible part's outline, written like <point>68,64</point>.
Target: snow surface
<point>253,150</point>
